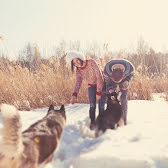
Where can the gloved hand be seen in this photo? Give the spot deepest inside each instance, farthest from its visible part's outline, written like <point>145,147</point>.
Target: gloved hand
<point>125,85</point>
<point>73,99</point>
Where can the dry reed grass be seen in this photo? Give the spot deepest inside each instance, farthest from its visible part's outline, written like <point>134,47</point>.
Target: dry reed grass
<point>27,90</point>
<point>141,88</point>
<point>161,84</point>
<point>50,84</point>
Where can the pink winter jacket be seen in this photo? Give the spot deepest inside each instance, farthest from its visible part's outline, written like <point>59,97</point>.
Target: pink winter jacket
<point>92,74</point>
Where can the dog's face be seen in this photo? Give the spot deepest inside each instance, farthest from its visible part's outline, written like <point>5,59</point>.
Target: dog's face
<point>61,110</point>
<point>113,97</point>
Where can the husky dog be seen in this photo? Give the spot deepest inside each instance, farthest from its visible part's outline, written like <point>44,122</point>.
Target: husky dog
<point>112,116</point>
<point>35,145</point>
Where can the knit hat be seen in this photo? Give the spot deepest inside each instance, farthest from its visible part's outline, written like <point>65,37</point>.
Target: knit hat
<point>74,54</point>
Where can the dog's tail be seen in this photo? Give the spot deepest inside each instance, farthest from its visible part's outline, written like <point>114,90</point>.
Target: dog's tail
<point>11,144</point>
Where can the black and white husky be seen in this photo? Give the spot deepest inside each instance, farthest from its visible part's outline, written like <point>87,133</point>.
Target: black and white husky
<point>111,117</point>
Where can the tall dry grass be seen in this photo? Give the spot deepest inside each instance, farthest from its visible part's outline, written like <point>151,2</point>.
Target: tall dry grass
<point>53,83</point>
<point>141,87</point>
<point>27,90</point>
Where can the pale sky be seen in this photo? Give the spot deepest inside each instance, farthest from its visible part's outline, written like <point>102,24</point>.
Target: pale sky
<point>118,22</point>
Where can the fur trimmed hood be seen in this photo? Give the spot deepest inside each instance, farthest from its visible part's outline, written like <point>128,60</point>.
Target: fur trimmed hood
<point>74,54</point>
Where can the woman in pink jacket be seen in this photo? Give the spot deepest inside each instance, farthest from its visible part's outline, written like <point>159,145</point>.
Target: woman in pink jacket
<point>88,70</point>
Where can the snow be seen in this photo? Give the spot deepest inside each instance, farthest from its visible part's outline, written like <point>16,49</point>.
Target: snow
<point>143,143</point>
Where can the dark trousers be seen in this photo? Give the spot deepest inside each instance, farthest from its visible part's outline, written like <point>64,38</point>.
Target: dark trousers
<point>92,101</point>
<point>124,102</point>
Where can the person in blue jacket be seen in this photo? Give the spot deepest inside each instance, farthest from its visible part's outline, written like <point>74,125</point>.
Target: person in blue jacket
<point>118,72</point>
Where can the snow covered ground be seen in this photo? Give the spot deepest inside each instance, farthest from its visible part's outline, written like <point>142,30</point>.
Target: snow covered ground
<point>143,143</point>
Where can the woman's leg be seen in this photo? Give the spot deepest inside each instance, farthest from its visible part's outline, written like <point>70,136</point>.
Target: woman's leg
<point>124,101</point>
<point>92,101</point>
<point>102,100</point>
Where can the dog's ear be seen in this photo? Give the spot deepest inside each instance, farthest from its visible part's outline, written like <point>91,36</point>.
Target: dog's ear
<point>51,107</point>
<point>62,108</point>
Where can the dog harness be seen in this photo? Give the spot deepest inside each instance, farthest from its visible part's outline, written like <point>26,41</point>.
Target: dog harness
<point>36,139</point>
<point>24,155</point>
